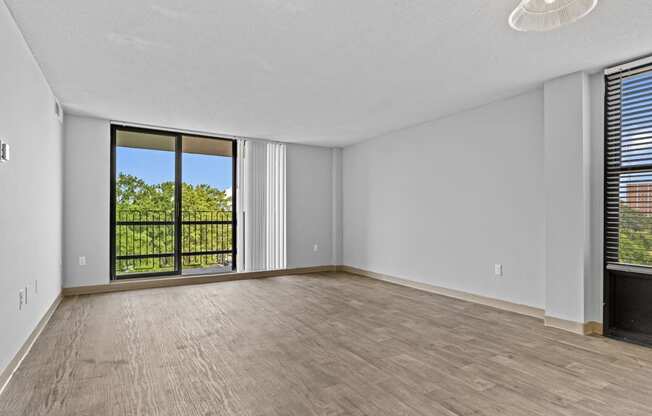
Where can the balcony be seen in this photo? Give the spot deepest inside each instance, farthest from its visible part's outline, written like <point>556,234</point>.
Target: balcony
<point>145,242</point>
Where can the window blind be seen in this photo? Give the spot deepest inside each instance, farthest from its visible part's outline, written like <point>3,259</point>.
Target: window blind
<point>628,165</point>
<point>263,205</point>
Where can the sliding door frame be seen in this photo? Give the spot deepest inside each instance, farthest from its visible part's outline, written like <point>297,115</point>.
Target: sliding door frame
<point>178,225</point>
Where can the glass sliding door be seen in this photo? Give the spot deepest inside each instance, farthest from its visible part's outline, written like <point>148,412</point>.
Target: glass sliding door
<point>207,243</point>
<point>144,200</point>
<point>171,203</point>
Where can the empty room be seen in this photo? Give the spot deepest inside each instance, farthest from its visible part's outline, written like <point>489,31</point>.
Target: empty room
<point>328,208</point>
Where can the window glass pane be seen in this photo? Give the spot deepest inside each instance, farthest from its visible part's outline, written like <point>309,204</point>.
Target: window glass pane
<point>635,226</point>
<point>144,203</point>
<point>636,120</point>
<point>635,185</point>
<point>207,228</point>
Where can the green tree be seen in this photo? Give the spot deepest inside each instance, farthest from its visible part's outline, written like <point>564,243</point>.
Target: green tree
<point>145,215</point>
<point>635,236</point>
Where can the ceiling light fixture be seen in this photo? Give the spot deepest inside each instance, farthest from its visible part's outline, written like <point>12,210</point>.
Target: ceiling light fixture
<point>544,15</point>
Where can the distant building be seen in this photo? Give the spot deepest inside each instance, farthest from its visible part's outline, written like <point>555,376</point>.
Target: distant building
<point>639,197</point>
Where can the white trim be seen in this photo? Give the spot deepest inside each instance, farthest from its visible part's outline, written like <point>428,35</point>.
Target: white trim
<point>564,324</point>
<point>451,293</point>
<point>581,328</point>
<point>628,65</point>
<point>630,268</point>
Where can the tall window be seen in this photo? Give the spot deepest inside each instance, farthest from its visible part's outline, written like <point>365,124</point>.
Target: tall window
<point>172,206</point>
<point>628,152</point>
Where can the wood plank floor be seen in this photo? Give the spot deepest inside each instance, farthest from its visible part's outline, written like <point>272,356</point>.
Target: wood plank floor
<point>320,344</point>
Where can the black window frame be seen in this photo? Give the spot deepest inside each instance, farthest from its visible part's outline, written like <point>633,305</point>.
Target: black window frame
<point>614,302</point>
<point>178,150</point>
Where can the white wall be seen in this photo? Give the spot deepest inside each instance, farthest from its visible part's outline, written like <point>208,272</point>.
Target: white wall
<point>567,179</point>
<point>442,202</point>
<point>433,174</point>
<point>87,154</point>
<point>30,191</point>
<point>309,207</point>
<point>86,199</point>
<point>594,289</point>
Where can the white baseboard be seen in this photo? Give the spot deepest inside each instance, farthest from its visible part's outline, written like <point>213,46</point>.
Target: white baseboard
<point>8,372</point>
<point>583,328</point>
<point>586,328</point>
<point>135,284</point>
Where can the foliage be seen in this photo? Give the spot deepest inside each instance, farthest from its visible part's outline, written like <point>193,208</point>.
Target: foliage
<point>133,193</point>
<point>145,215</point>
<point>635,237</point>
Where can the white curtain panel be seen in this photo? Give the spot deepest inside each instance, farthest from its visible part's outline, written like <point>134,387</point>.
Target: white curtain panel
<point>261,235</point>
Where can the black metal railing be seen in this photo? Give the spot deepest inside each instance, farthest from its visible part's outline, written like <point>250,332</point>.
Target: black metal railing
<point>145,241</point>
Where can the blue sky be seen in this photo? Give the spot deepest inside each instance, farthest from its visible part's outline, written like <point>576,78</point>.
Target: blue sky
<point>155,166</point>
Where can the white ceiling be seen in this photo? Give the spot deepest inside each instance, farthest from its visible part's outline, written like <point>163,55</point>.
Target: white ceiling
<point>328,72</point>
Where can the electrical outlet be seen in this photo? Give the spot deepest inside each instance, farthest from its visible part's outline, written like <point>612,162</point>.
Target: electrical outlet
<point>498,269</point>
<point>21,299</point>
<point>36,286</point>
<point>82,260</point>
<point>26,293</point>
<point>315,248</point>
<point>4,152</point>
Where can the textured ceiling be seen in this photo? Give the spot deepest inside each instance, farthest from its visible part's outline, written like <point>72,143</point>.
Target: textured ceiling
<point>328,72</point>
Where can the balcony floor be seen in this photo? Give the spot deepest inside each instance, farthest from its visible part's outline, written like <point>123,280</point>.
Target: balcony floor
<point>207,270</point>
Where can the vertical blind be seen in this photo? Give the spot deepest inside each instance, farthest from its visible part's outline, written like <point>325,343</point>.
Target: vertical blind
<point>262,209</point>
<point>275,209</point>
<point>628,166</point>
